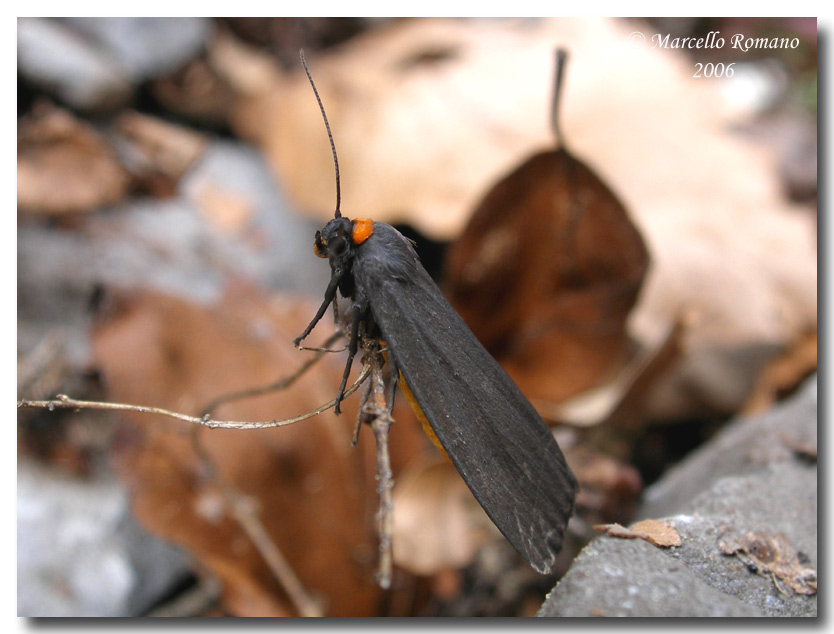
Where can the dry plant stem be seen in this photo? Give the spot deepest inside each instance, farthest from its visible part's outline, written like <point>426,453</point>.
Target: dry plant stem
<point>380,426</point>
<point>245,512</point>
<point>241,506</point>
<point>377,412</point>
<point>62,401</point>
<point>561,59</point>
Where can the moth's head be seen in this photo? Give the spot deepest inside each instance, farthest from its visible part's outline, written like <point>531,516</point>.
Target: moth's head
<point>341,235</point>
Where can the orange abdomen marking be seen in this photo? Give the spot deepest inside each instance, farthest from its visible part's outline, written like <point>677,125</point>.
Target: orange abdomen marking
<point>418,411</point>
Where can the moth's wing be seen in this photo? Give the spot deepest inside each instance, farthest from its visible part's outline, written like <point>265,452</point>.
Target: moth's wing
<point>495,438</point>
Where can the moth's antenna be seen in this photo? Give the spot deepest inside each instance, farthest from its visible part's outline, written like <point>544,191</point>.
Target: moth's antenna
<point>329,135</point>
<point>561,59</point>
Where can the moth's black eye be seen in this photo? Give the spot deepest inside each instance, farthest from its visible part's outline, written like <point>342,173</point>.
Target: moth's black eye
<point>338,245</point>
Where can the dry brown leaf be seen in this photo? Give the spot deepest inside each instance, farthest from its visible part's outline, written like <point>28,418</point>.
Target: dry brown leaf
<point>314,494</point>
<point>64,166</point>
<point>619,402</point>
<point>427,113</point>
<point>415,110</point>
<point>615,530</point>
<point>773,556</point>
<point>158,153</point>
<point>438,525</point>
<point>546,273</point>
<point>656,532</point>
<point>195,91</point>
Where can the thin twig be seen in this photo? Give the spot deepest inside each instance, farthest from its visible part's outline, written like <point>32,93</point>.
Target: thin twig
<point>374,411</point>
<point>385,484</point>
<point>377,412</point>
<point>240,505</point>
<point>62,401</point>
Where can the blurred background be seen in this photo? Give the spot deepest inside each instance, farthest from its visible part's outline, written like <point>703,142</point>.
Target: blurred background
<point>646,273</point>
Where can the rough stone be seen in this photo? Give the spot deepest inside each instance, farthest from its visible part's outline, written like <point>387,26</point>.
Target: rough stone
<point>628,577</point>
<point>744,446</point>
<point>146,47</point>
<point>758,475</point>
<point>78,549</point>
<point>52,56</point>
<point>166,245</point>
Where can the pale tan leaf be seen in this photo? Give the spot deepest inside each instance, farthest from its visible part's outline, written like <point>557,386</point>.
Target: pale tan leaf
<point>427,114</point>
<point>657,532</point>
<point>64,166</point>
<point>437,523</point>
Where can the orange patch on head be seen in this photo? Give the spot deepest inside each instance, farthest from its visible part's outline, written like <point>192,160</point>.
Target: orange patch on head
<point>363,228</point>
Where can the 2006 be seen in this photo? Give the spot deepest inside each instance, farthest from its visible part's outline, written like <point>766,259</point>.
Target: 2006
<point>713,70</point>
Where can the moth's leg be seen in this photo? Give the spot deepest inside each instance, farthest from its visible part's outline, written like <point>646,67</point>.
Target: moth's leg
<point>356,319</point>
<point>329,297</point>
<point>392,381</point>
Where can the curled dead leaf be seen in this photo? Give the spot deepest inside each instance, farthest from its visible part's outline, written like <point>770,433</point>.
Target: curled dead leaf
<point>64,166</point>
<point>773,556</point>
<point>548,269</point>
<point>313,495</point>
<point>156,152</point>
<point>438,525</point>
<point>422,125</point>
<point>656,532</point>
<point>546,273</point>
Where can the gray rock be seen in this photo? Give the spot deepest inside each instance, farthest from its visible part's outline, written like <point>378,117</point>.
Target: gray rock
<point>146,47</point>
<point>756,476</point>
<point>58,60</point>
<point>628,577</point>
<point>94,63</point>
<point>79,553</point>
<point>77,549</point>
<point>745,446</point>
<point>283,260</point>
<point>166,245</point>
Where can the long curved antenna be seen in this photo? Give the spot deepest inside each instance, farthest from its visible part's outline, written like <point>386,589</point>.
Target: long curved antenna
<point>329,135</point>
